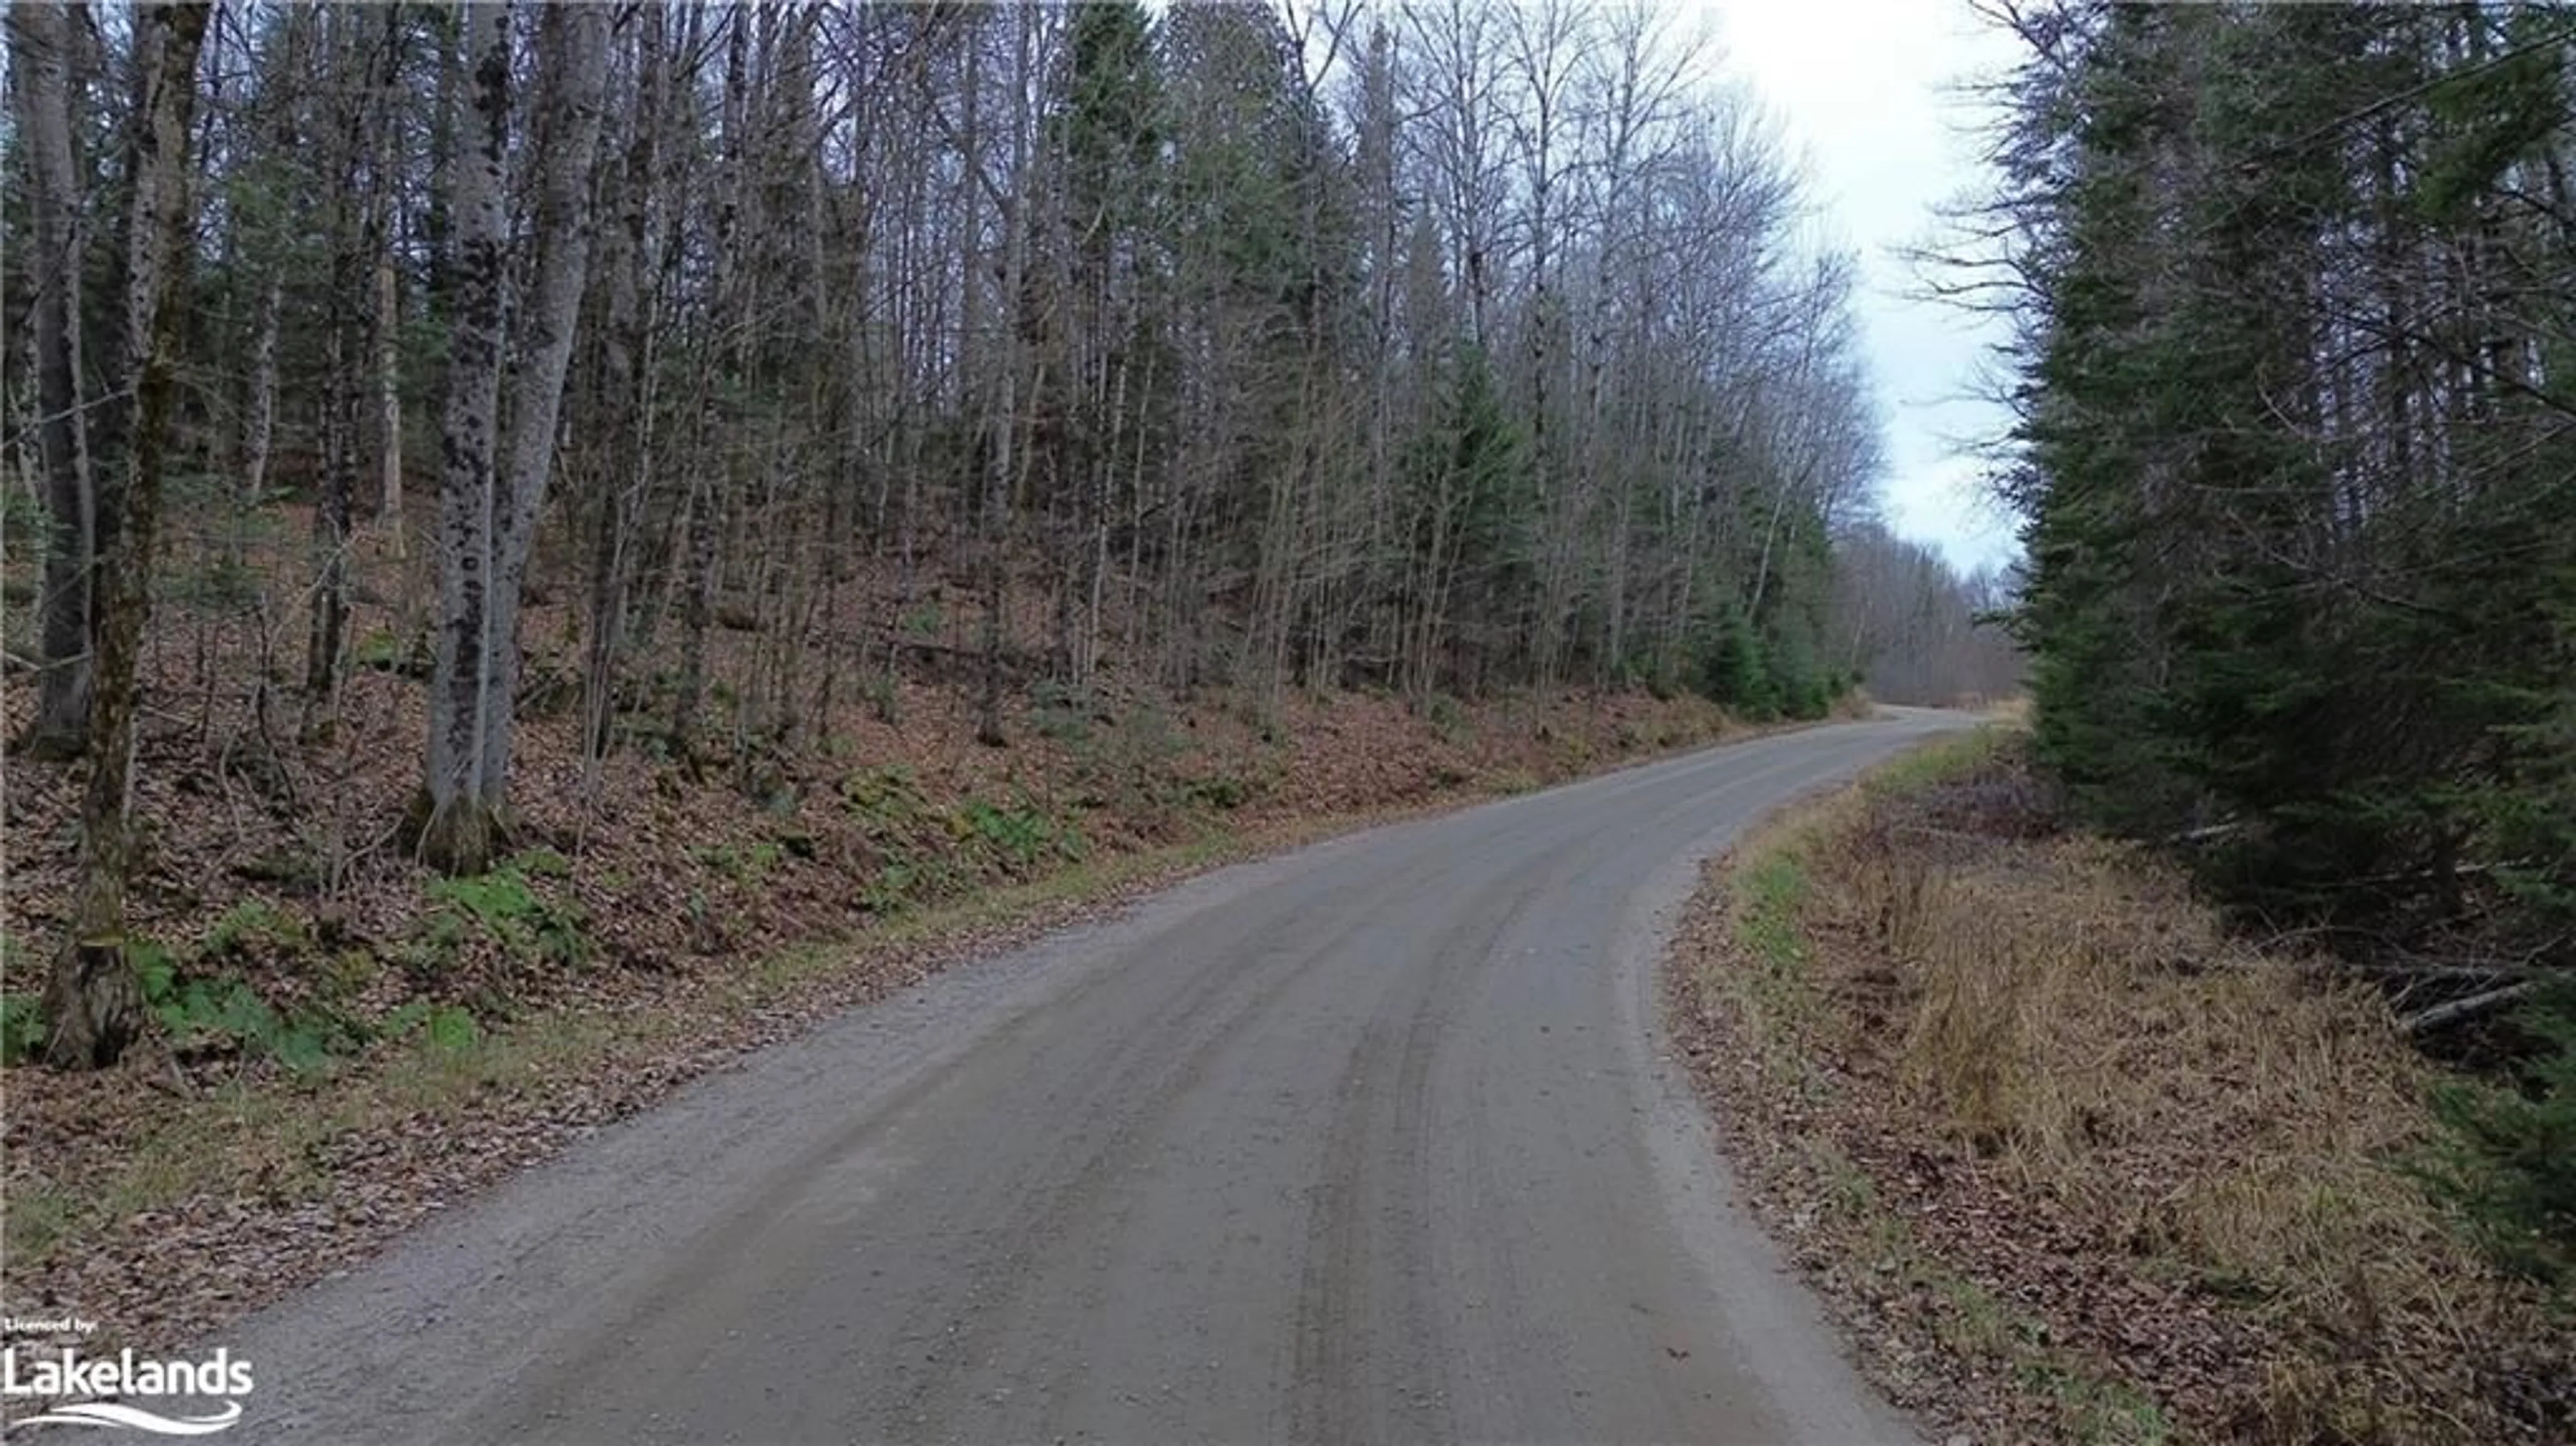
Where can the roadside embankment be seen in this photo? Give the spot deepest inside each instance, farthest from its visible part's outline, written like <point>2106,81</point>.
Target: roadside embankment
<point>2070,1161</point>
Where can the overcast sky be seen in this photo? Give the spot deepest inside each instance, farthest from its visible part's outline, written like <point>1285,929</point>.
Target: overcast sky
<point>1864,91</point>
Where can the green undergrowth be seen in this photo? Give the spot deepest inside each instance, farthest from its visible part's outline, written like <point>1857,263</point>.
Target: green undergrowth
<point>277,1138</point>
<point>212,1015</point>
<point>930,851</point>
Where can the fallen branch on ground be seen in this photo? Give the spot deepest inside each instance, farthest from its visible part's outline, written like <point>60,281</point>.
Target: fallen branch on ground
<point>2461,1011</point>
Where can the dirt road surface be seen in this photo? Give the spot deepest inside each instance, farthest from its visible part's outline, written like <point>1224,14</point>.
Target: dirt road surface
<point>1372,1142</point>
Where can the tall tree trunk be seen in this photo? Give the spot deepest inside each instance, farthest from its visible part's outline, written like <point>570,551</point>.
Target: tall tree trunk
<point>285,137</point>
<point>259,429</point>
<point>625,385</point>
<point>331,510</point>
<point>384,326</point>
<point>458,826</point>
<point>1009,445</point>
<point>489,491</point>
<point>362,57</point>
<point>573,50</point>
<point>331,507</point>
<point>389,434</point>
<point>711,486</point>
<point>93,1002</point>
<point>40,62</point>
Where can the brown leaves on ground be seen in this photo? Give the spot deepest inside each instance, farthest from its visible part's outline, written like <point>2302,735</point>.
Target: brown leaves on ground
<point>2072,1163</point>
<point>699,907</point>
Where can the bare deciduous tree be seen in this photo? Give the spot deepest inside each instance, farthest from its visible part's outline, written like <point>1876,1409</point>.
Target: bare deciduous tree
<point>489,492</point>
<point>93,1006</point>
<point>41,59</point>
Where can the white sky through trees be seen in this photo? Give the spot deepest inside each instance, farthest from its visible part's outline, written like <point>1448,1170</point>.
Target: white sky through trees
<point>1869,94</point>
<point>1871,97</point>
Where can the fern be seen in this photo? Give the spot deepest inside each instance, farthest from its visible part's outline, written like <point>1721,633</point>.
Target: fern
<point>22,1027</point>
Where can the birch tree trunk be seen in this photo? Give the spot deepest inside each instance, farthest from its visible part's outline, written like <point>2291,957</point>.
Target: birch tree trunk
<point>259,429</point>
<point>92,1000</point>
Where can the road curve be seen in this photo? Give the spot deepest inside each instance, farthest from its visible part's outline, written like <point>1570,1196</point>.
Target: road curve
<point>1366,1143</point>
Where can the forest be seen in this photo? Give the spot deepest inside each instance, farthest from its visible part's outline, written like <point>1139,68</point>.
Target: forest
<point>2297,394</point>
<point>545,548</point>
<point>2295,376</point>
<point>786,356</point>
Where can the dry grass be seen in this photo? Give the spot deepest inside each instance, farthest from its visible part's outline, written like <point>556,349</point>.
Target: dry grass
<point>2062,1086</point>
<point>1855,705</point>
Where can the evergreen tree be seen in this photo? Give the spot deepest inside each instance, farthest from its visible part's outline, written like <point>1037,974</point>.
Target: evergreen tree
<point>2296,462</point>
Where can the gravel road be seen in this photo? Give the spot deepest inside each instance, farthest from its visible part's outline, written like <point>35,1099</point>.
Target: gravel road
<point>1371,1142</point>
